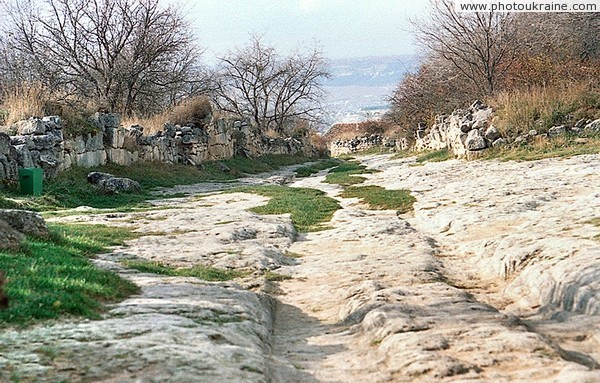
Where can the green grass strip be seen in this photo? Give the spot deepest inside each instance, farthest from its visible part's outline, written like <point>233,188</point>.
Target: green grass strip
<point>205,273</point>
<point>345,174</point>
<point>309,208</point>
<point>379,198</point>
<point>435,156</point>
<point>54,277</point>
<point>307,171</point>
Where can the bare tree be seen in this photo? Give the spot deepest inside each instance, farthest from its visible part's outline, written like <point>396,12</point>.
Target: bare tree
<point>436,87</point>
<point>127,55</point>
<point>480,45</point>
<point>274,91</point>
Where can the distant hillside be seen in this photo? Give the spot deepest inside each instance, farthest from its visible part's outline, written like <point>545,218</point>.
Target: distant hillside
<point>370,71</point>
<point>359,87</point>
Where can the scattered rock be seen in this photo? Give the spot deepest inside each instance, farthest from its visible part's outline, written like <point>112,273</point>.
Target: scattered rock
<point>500,142</point>
<point>533,133</point>
<point>593,127</point>
<point>492,134</point>
<point>557,131</point>
<point>222,167</point>
<point>25,222</point>
<point>117,185</point>
<point>581,123</point>
<point>474,141</point>
<point>96,177</point>
<point>477,105</point>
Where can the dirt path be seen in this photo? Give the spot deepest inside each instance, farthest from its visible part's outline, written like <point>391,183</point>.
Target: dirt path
<point>494,278</point>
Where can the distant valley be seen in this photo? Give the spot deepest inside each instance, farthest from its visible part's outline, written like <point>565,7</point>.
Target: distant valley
<point>359,87</point>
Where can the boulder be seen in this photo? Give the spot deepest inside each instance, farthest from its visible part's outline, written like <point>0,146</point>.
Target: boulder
<point>33,125</point>
<point>492,134</point>
<point>475,141</point>
<point>521,140</point>
<point>593,127</point>
<point>557,130</point>
<point>10,239</point>
<point>118,185</point>
<point>222,167</point>
<point>581,123</point>
<point>96,177</point>
<point>499,143</point>
<point>25,222</point>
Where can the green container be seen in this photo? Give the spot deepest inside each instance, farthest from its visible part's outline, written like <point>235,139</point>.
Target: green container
<point>31,181</point>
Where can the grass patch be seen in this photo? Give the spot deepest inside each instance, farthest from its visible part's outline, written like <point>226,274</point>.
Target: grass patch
<point>306,171</point>
<point>379,198</point>
<point>205,273</point>
<point>54,277</point>
<point>435,156</point>
<point>372,151</point>
<point>564,147</point>
<point>276,277</point>
<point>70,189</point>
<point>345,174</point>
<point>309,208</point>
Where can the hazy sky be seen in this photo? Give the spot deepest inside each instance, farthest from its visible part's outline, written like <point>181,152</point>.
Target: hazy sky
<point>344,28</point>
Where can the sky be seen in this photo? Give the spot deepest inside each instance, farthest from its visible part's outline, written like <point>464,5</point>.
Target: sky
<point>342,28</point>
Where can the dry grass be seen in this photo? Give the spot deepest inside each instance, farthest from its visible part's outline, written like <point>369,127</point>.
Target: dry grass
<point>194,111</point>
<point>23,102</point>
<point>151,124</point>
<point>540,108</point>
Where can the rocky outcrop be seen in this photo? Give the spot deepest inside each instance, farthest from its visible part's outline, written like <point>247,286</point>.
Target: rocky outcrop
<point>117,185</point>
<point>464,132</point>
<point>25,222</point>
<point>16,224</point>
<point>41,143</point>
<point>367,142</point>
